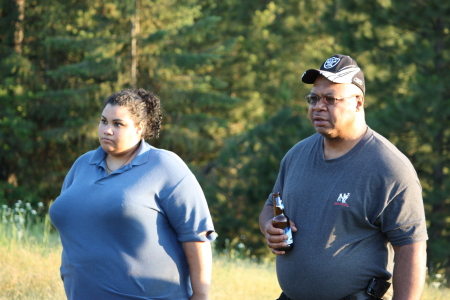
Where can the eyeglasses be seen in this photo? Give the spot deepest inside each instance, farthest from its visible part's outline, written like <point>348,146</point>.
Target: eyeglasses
<point>314,99</point>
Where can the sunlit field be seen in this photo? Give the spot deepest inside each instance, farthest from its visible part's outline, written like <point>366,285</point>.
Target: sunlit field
<point>32,273</point>
<point>30,259</point>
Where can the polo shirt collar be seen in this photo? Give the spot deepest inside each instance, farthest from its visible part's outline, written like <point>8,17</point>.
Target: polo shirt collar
<point>141,157</point>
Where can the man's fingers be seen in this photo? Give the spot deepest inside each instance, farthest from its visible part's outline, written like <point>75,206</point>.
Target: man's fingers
<point>276,239</point>
<point>293,227</point>
<point>275,242</point>
<point>274,231</point>
<point>276,252</point>
<point>274,246</point>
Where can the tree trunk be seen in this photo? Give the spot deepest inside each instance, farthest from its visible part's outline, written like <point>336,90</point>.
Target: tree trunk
<point>18,26</point>
<point>135,28</point>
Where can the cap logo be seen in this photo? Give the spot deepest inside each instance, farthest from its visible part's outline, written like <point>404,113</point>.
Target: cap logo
<point>358,81</point>
<point>331,62</point>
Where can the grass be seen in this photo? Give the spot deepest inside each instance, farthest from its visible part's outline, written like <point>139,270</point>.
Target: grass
<point>30,258</point>
<point>31,272</point>
<point>243,279</point>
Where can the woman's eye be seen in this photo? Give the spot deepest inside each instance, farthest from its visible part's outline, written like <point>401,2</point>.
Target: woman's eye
<point>119,124</point>
<point>103,121</point>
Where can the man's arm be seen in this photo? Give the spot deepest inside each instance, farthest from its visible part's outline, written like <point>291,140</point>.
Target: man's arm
<point>409,271</point>
<point>275,237</point>
<point>199,257</point>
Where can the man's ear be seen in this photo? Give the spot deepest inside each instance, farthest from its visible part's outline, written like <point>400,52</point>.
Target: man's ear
<point>359,102</point>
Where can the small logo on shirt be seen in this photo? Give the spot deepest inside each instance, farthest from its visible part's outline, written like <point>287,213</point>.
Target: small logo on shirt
<point>342,199</point>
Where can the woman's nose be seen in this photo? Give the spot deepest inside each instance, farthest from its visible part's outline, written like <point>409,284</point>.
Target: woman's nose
<point>107,130</point>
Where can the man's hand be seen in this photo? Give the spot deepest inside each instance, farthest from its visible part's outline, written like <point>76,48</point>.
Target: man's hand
<point>275,237</point>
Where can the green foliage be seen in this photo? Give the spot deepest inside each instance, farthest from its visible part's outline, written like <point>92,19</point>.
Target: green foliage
<point>245,174</point>
<point>228,74</point>
<point>403,48</point>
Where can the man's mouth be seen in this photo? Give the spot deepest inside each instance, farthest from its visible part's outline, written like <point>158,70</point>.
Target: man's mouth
<point>319,120</point>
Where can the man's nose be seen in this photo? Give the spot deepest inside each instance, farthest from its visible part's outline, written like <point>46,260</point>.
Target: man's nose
<point>320,105</point>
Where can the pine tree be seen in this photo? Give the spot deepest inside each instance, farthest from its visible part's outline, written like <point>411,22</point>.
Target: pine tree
<point>75,54</point>
<point>402,47</point>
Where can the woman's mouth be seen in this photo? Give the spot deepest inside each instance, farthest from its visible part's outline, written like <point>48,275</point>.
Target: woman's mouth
<point>106,140</point>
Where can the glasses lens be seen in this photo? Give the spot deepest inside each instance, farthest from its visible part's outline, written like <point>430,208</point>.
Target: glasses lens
<point>329,100</point>
<point>312,99</point>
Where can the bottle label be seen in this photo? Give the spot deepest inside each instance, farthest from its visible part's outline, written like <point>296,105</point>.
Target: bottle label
<point>288,232</point>
<point>279,203</point>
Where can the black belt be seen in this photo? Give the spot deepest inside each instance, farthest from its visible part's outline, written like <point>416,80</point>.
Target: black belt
<point>376,288</point>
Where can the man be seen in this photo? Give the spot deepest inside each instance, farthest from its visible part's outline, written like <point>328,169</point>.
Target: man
<point>354,201</point>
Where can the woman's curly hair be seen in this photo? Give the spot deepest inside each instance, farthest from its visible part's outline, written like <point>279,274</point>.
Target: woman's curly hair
<point>144,107</point>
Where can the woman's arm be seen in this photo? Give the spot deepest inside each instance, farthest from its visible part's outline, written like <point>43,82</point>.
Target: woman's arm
<point>199,257</point>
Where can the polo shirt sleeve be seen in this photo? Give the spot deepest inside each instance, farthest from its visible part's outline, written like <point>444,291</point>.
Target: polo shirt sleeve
<point>187,211</point>
<point>68,180</point>
<point>79,164</point>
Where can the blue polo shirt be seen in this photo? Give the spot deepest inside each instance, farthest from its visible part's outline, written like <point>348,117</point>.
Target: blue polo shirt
<point>122,233</point>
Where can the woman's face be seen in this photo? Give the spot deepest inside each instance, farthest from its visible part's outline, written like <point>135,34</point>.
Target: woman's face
<point>117,131</point>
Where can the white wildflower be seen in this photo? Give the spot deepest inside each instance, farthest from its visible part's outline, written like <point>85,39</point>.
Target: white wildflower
<point>435,284</point>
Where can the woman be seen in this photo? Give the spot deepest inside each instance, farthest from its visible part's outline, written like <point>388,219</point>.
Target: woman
<point>133,220</point>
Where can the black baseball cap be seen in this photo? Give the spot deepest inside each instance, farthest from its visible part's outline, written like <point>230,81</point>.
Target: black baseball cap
<point>338,69</point>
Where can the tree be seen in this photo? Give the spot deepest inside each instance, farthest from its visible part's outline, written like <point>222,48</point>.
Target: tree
<point>75,53</point>
<point>402,48</point>
<point>274,41</point>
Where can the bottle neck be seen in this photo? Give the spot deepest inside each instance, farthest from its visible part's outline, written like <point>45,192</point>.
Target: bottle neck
<point>277,211</point>
<point>278,208</point>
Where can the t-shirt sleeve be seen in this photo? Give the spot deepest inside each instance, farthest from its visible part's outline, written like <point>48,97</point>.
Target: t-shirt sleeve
<point>278,187</point>
<point>187,211</point>
<point>403,219</point>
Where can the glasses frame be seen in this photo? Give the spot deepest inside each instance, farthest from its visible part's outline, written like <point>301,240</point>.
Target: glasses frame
<point>328,100</point>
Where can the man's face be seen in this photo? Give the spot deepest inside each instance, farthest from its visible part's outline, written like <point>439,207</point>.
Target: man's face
<point>337,120</point>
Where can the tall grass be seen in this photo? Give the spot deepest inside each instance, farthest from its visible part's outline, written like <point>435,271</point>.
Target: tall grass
<point>30,256</point>
<point>29,272</point>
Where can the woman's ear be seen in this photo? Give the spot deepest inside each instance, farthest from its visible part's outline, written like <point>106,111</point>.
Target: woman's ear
<point>139,129</point>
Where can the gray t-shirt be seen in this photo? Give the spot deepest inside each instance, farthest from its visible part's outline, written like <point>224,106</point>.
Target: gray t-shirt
<point>346,210</point>
<point>122,233</point>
